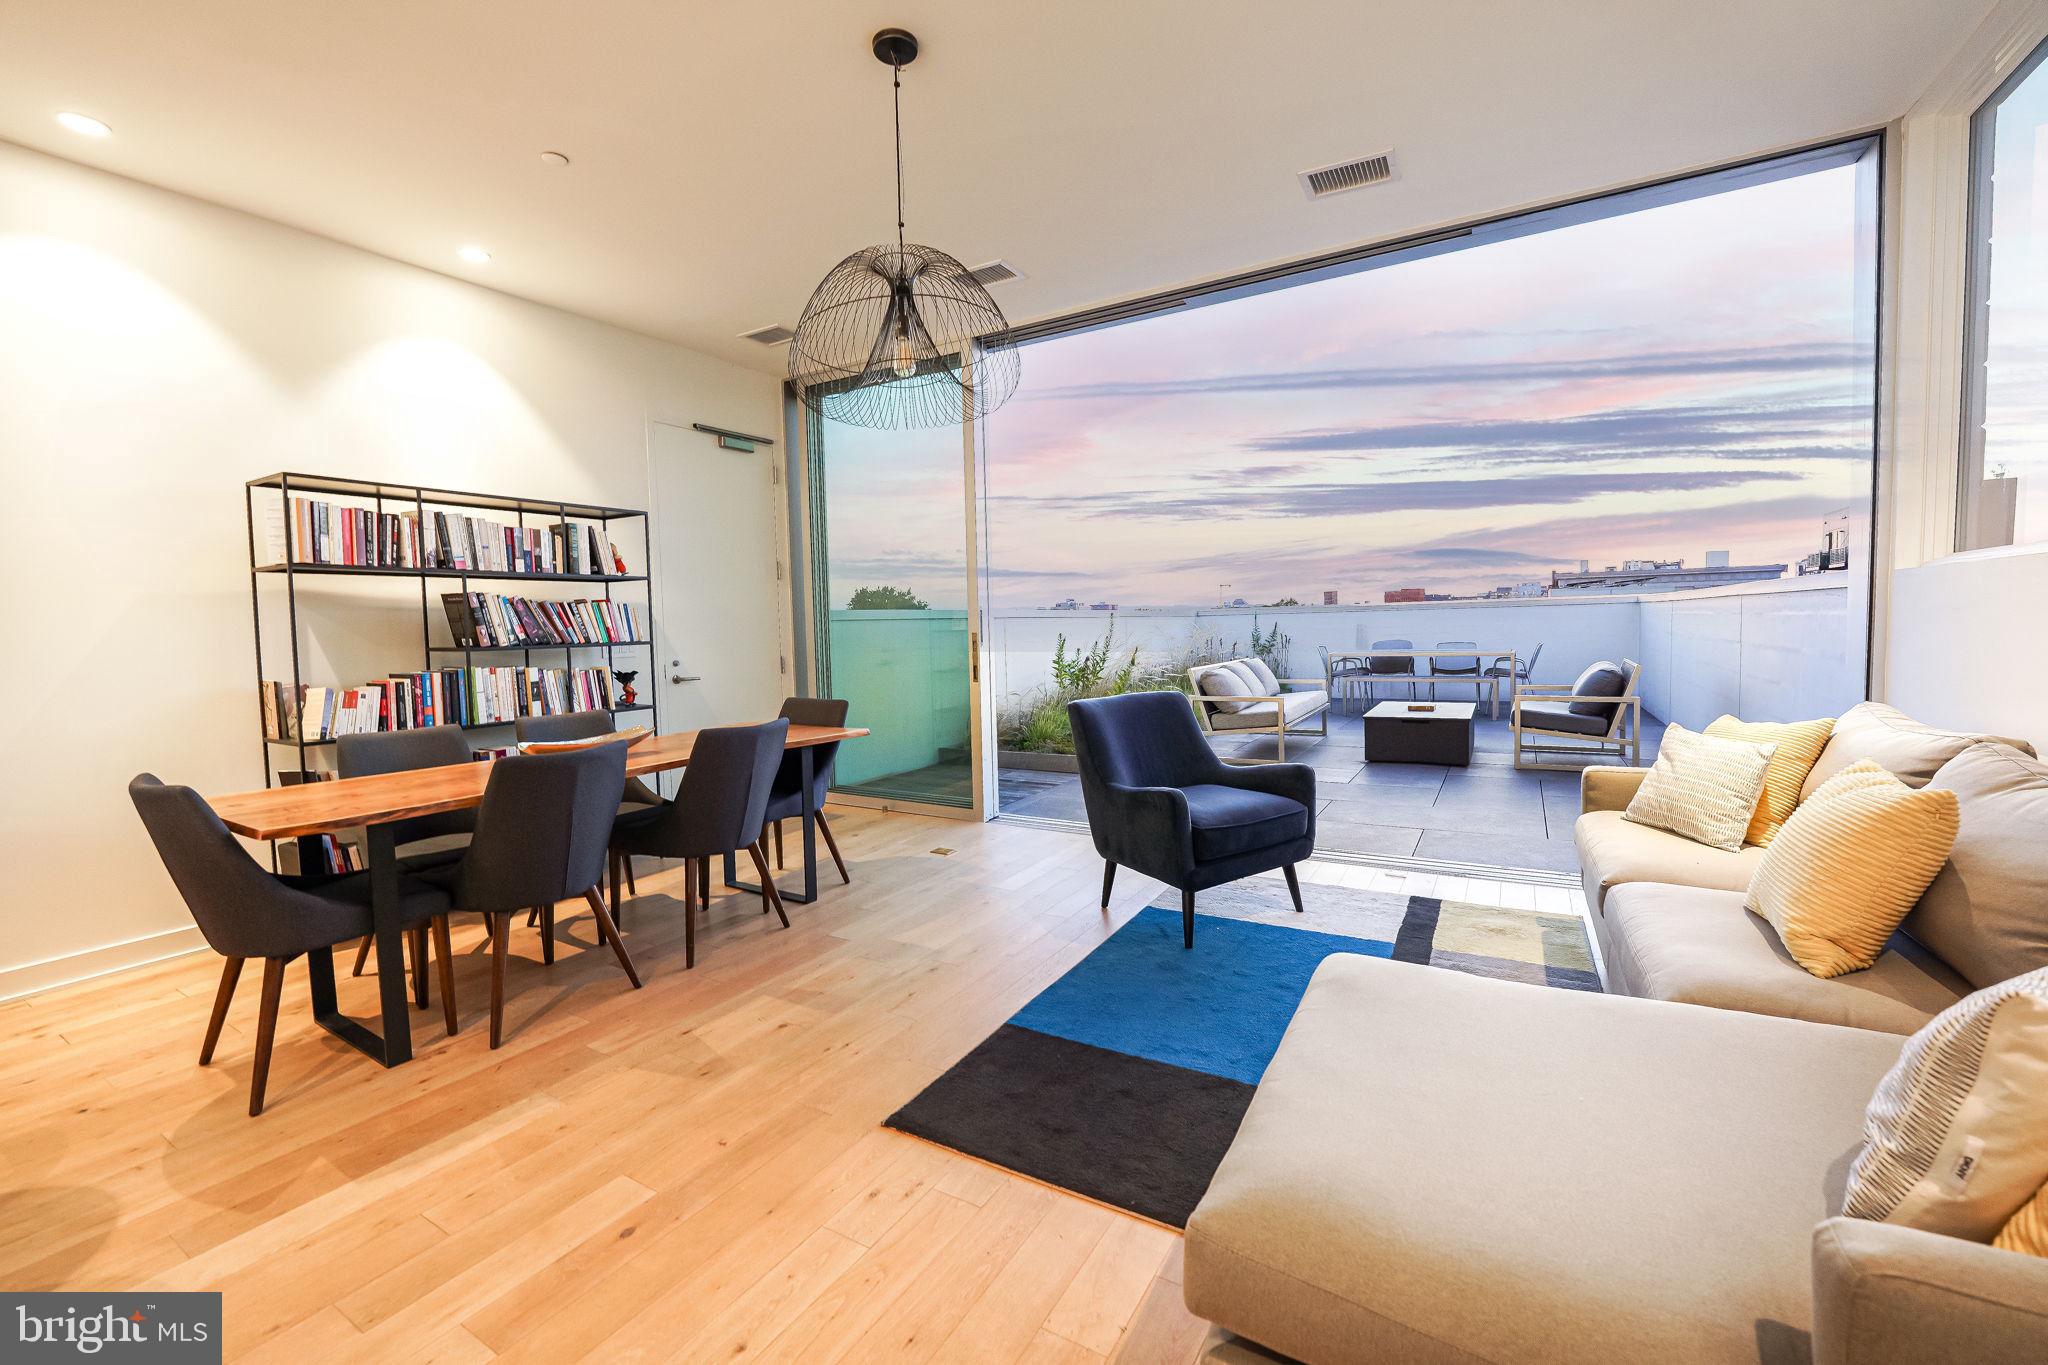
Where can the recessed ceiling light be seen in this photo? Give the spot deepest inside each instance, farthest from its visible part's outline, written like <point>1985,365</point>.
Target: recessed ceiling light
<point>475,255</point>
<point>553,159</point>
<point>83,125</point>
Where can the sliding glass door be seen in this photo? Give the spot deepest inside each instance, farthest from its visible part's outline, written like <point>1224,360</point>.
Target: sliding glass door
<point>894,610</point>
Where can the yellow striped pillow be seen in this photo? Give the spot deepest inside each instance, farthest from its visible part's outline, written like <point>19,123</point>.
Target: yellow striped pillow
<point>2027,1230</point>
<point>1849,864</point>
<point>1798,748</point>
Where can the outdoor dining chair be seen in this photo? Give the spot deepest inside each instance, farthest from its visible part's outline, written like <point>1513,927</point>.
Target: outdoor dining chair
<point>1383,666</point>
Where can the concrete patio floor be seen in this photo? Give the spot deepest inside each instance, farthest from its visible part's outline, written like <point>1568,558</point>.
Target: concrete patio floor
<point>1490,813</point>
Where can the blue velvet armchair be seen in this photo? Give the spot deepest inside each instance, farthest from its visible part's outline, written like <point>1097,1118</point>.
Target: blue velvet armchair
<point>1162,803</point>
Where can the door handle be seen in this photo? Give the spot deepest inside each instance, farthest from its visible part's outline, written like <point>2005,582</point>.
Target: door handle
<point>676,674</point>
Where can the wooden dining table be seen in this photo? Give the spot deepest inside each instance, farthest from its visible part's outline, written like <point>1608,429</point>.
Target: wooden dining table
<point>373,803</point>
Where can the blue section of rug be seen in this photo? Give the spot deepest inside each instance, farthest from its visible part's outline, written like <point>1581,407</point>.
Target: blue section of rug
<point>1220,1009</point>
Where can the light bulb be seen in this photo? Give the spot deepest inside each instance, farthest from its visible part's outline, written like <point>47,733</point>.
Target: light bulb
<point>906,359</point>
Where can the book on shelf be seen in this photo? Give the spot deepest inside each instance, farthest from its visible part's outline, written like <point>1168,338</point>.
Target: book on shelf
<point>309,531</point>
<point>481,620</point>
<point>442,696</point>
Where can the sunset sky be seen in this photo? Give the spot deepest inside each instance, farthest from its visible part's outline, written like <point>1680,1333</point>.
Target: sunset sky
<point>1657,385</point>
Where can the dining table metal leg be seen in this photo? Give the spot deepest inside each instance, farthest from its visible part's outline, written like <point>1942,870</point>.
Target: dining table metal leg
<point>394,1045</point>
<point>806,772</point>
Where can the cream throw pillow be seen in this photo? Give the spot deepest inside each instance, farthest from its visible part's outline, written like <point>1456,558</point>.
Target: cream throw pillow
<point>1798,746</point>
<point>1849,864</point>
<point>1953,1139</point>
<point>1701,787</point>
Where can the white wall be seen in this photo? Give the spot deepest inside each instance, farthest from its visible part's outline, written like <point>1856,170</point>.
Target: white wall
<point>1968,650</point>
<point>1790,650</point>
<point>155,352</point>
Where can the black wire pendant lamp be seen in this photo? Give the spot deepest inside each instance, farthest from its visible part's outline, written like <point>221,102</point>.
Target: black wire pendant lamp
<point>901,336</point>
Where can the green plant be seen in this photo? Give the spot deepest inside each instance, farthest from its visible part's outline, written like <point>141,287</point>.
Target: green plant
<point>1081,673</point>
<point>886,599</point>
<point>1272,646</point>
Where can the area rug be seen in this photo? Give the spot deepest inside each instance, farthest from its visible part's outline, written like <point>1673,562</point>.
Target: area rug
<point>1125,1080</point>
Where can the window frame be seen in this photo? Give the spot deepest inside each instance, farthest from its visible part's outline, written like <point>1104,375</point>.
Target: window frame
<point>1982,152</point>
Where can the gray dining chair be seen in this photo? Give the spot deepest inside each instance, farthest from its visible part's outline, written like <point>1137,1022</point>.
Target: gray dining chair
<point>540,838</point>
<point>786,794</point>
<point>1464,666</point>
<point>1386,667</point>
<point>244,911</point>
<point>720,807</point>
<point>594,724</point>
<point>404,751</point>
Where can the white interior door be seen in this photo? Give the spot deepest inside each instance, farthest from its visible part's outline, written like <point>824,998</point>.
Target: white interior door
<point>719,609</point>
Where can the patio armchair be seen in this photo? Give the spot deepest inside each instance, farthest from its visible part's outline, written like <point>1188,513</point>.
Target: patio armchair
<point>1162,803</point>
<point>1598,716</point>
<point>1390,665</point>
<point>1244,697</point>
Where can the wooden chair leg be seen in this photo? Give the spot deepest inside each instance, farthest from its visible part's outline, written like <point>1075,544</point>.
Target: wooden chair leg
<point>704,884</point>
<point>444,961</point>
<point>1293,886</point>
<point>610,931</point>
<point>418,938</point>
<point>832,846</point>
<point>1187,919</point>
<point>363,953</point>
<point>769,895</point>
<point>779,864</point>
<point>689,914</point>
<point>547,934</point>
<point>230,973</point>
<point>501,930</point>
<point>1108,878</point>
<point>760,847</point>
<point>626,861</point>
<point>266,1031</point>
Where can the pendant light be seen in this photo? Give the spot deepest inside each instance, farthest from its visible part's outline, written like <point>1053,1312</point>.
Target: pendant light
<point>901,336</point>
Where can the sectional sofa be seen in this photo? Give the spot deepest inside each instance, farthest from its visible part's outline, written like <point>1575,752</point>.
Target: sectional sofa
<point>1439,1167</point>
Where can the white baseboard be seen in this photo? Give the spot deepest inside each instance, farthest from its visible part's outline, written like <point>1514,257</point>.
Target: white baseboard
<point>32,977</point>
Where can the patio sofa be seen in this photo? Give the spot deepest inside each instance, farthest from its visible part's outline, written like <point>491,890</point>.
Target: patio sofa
<point>1440,1167</point>
<point>1244,696</point>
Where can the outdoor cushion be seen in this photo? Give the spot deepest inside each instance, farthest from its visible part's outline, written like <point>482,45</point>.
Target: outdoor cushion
<point>1222,683</point>
<point>1261,714</point>
<point>1232,820</point>
<point>1557,715</point>
<point>1604,679</point>
<point>1901,746</point>
<point>1986,912</point>
<point>1613,851</point>
<point>1701,947</point>
<point>1268,681</point>
<point>1443,1167</point>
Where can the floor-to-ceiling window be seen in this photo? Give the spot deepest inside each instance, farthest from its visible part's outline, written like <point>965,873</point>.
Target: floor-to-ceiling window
<point>2005,465</point>
<point>1638,427</point>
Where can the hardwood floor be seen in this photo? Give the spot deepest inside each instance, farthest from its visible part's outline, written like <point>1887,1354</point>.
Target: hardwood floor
<point>692,1171</point>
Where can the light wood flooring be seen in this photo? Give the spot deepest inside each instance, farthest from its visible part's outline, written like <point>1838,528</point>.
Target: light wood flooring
<point>693,1171</point>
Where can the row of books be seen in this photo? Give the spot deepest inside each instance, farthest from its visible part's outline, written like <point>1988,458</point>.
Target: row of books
<point>484,620</point>
<point>444,696</point>
<point>362,537</point>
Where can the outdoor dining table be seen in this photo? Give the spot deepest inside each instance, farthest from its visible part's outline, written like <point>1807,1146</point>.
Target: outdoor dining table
<point>373,803</point>
<point>1477,680</point>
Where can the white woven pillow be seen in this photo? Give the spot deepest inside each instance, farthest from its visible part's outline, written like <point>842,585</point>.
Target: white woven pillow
<point>1956,1137</point>
<point>1221,683</point>
<point>1702,787</point>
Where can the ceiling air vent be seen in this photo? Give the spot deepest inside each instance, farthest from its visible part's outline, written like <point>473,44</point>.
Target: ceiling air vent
<point>1348,175</point>
<point>995,272</point>
<point>768,336</point>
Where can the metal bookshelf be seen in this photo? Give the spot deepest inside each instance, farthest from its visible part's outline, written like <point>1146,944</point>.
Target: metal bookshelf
<point>388,497</point>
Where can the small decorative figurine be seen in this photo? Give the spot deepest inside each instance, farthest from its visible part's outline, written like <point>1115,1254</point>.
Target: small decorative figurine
<point>627,696</point>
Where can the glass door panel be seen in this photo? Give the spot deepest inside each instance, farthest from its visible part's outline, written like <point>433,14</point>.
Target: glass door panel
<point>893,608</point>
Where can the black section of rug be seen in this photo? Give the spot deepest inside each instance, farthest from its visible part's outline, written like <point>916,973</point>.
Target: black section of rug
<point>1133,1133</point>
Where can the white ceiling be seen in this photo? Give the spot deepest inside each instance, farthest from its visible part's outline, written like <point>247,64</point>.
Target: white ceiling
<point>726,153</point>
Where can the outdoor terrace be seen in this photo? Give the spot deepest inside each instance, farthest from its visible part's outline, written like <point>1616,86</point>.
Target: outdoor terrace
<point>1490,813</point>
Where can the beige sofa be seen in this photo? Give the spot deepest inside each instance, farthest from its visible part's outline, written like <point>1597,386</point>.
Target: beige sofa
<point>1440,1167</point>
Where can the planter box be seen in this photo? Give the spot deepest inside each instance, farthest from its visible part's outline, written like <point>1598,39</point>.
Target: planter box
<point>1036,762</point>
